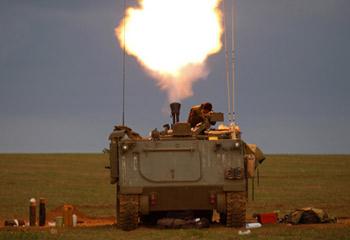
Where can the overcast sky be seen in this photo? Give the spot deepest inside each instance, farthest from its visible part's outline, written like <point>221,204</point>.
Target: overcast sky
<point>61,77</point>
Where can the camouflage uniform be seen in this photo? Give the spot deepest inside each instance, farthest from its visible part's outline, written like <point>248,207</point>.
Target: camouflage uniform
<point>195,116</point>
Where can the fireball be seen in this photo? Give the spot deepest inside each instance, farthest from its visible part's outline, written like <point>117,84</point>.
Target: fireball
<point>172,40</point>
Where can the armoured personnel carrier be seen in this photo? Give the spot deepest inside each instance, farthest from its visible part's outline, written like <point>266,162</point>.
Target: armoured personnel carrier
<point>181,169</point>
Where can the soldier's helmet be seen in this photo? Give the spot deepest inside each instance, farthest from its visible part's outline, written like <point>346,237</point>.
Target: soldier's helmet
<point>207,106</point>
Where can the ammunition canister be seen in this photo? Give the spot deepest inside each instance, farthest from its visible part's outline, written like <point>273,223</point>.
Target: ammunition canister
<point>42,212</point>
<point>59,221</point>
<point>68,215</point>
<point>75,220</point>
<point>32,212</point>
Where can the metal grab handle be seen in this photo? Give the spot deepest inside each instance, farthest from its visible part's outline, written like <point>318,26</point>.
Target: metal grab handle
<point>168,149</point>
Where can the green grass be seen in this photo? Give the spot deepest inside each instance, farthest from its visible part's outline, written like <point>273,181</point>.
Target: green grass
<point>217,233</point>
<point>292,181</point>
<point>78,179</point>
<point>286,182</point>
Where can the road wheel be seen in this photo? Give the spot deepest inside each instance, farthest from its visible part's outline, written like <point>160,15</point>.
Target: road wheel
<point>128,214</point>
<point>235,209</point>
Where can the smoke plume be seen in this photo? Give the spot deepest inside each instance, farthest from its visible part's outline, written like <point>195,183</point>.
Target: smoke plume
<point>172,40</point>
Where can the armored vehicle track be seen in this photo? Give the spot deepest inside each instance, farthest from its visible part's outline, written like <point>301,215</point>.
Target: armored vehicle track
<point>235,209</point>
<point>128,212</point>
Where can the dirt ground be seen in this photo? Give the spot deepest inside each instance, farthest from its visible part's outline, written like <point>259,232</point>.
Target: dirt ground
<point>83,219</point>
<point>87,221</point>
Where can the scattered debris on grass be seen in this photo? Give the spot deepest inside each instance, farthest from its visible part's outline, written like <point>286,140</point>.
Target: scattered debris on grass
<point>183,223</point>
<point>307,215</point>
<point>244,232</point>
<point>343,220</point>
<point>14,223</point>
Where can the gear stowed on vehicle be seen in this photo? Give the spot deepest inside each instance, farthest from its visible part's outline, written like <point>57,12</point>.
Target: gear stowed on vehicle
<point>181,169</point>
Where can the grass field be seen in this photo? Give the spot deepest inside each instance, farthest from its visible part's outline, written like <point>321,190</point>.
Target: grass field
<point>286,182</point>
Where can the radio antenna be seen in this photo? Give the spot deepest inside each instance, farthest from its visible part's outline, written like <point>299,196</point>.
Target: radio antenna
<point>123,115</point>
<point>227,67</point>
<point>234,47</point>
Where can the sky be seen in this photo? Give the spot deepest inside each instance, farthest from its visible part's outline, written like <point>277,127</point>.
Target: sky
<point>61,77</point>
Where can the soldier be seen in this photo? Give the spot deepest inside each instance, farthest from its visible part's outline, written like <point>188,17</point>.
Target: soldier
<point>199,113</point>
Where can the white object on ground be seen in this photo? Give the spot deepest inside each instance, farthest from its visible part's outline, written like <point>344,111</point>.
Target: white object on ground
<point>244,232</point>
<point>51,224</point>
<point>75,220</point>
<point>252,225</point>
